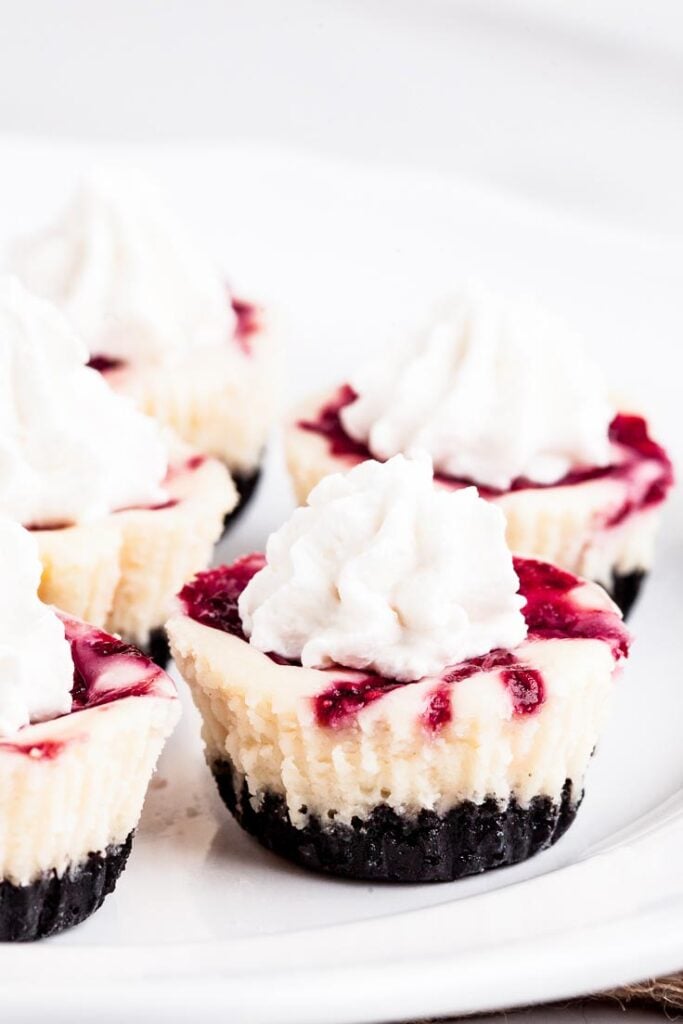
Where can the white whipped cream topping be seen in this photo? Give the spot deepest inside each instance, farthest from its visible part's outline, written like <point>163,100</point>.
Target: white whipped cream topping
<point>130,281</point>
<point>384,571</point>
<point>36,668</point>
<point>70,449</point>
<point>493,390</point>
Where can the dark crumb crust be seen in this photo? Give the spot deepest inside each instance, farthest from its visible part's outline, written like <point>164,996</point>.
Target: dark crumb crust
<point>246,484</point>
<point>51,904</point>
<point>391,847</point>
<point>157,647</point>
<point>626,588</point>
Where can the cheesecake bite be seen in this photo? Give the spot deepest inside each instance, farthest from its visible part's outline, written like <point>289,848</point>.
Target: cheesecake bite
<point>386,693</point>
<point>83,719</point>
<point>504,397</point>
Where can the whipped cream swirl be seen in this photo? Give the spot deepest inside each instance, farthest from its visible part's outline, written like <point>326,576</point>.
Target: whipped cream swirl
<point>70,449</point>
<point>494,390</point>
<point>36,668</point>
<point>123,271</point>
<point>383,571</point>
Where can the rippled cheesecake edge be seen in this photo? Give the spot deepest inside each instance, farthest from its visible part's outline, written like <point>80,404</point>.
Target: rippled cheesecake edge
<point>259,717</point>
<point>75,786</point>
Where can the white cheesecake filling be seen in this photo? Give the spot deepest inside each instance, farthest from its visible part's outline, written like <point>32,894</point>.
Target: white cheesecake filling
<point>494,390</point>
<point>382,571</point>
<point>260,717</point>
<point>70,449</point>
<point>36,670</point>
<point>76,785</point>
<point>127,276</point>
<point>568,525</point>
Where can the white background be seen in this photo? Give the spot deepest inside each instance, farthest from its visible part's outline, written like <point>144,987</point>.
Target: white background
<point>579,102</point>
<point>578,106</point>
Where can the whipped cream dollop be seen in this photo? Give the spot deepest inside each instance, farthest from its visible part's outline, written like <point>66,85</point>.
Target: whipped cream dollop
<point>133,285</point>
<point>70,448</point>
<point>493,389</point>
<point>36,668</point>
<point>383,571</point>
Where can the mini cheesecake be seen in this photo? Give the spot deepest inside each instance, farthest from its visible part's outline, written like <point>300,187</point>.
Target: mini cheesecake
<point>73,786</point>
<point>121,572</point>
<point>598,522</point>
<point>220,402</point>
<point>353,774</point>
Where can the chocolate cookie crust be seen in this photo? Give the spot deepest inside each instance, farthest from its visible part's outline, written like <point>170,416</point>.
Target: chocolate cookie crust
<point>625,589</point>
<point>387,846</point>
<point>52,903</point>
<point>246,484</point>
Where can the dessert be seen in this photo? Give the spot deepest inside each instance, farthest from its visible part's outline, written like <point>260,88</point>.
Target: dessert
<point>122,515</point>
<point>83,719</point>
<point>159,320</point>
<point>385,694</point>
<point>504,397</point>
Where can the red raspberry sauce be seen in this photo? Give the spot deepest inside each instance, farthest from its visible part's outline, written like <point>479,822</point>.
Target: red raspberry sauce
<point>551,611</point>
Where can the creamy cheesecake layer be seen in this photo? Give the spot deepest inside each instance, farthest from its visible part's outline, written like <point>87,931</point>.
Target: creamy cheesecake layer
<point>122,573</point>
<point>261,716</point>
<point>566,525</point>
<point>76,785</point>
<point>81,568</point>
<point>205,402</point>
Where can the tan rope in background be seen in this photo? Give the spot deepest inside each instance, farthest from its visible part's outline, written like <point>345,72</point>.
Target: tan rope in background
<point>665,992</point>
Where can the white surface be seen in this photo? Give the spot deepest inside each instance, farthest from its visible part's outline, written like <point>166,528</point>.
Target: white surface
<point>203,918</point>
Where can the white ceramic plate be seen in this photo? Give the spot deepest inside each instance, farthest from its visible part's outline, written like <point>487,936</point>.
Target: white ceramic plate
<point>203,919</point>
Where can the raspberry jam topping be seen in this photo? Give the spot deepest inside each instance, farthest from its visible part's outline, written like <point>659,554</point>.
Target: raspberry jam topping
<point>329,425</point>
<point>211,597</point>
<point>44,750</point>
<point>248,323</point>
<point>105,669</point>
<point>338,705</point>
<point>524,684</point>
<point>103,364</point>
<point>439,709</point>
<point>552,611</point>
<point>180,468</point>
<point>641,465</point>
